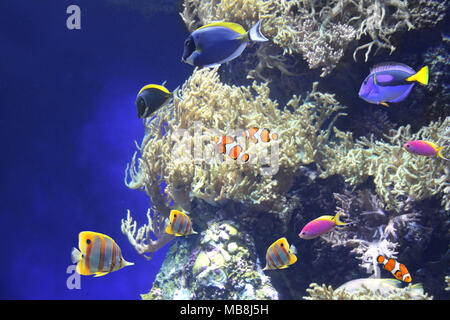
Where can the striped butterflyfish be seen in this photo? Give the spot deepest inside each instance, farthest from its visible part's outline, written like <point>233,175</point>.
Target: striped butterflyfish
<point>280,255</point>
<point>153,97</point>
<point>179,224</point>
<point>98,254</point>
<point>396,268</point>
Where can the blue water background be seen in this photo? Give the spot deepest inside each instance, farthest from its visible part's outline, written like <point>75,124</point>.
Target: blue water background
<point>68,124</point>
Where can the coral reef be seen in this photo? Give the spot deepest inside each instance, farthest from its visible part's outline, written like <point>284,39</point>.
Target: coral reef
<point>396,203</point>
<point>178,146</point>
<point>320,30</point>
<point>397,174</point>
<point>317,292</point>
<point>372,230</point>
<point>220,263</point>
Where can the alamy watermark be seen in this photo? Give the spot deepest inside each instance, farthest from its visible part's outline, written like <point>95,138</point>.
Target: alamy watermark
<point>267,154</point>
<point>73,21</point>
<point>74,279</point>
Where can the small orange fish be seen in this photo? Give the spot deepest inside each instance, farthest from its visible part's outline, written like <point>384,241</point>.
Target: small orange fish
<point>256,134</point>
<point>226,145</point>
<point>397,269</point>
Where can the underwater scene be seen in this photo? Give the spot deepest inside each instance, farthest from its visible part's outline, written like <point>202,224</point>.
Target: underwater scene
<point>225,150</point>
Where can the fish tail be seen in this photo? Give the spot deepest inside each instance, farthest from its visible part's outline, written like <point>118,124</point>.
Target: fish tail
<point>255,34</point>
<point>439,154</point>
<point>75,255</point>
<point>176,94</point>
<point>337,221</point>
<point>421,76</point>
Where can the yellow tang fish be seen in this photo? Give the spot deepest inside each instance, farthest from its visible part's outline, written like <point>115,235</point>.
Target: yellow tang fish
<point>179,224</point>
<point>279,255</point>
<point>99,254</point>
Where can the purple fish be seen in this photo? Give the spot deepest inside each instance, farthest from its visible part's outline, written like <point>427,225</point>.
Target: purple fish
<point>320,225</point>
<point>391,82</point>
<point>424,148</point>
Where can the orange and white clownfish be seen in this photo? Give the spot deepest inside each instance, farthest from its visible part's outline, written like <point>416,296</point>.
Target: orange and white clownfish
<point>226,145</point>
<point>397,269</point>
<point>179,224</point>
<point>279,255</point>
<point>256,134</point>
<point>99,254</point>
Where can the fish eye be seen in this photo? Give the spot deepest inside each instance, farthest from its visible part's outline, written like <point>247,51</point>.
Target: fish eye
<point>88,241</point>
<point>282,245</point>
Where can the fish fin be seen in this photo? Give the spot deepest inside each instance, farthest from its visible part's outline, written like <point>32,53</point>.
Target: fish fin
<point>384,103</point>
<point>234,55</point>
<point>404,95</point>
<point>337,221</point>
<point>100,274</point>
<point>293,249</point>
<point>439,154</point>
<point>168,231</point>
<point>293,258</point>
<point>421,76</point>
<point>212,65</point>
<point>75,255</point>
<point>127,263</point>
<point>176,94</point>
<point>255,35</point>
<point>230,25</point>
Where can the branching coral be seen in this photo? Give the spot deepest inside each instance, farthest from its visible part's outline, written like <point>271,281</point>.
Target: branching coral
<point>143,241</point>
<point>320,30</point>
<point>372,231</point>
<point>317,292</point>
<point>398,175</point>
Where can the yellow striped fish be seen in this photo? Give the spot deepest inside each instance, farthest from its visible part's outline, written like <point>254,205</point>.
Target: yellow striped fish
<point>279,255</point>
<point>179,224</point>
<point>99,254</point>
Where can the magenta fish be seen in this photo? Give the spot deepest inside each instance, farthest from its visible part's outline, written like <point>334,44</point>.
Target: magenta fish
<point>320,225</point>
<point>424,148</point>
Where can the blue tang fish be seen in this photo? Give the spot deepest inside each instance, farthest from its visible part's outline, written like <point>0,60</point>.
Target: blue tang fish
<point>217,43</point>
<point>391,82</point>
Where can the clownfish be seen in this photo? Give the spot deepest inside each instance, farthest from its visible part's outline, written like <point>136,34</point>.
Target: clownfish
<point>179,224</point>
<point>279,255</point>
<point>99,254</point>
<point>397,269</point>
<point>153,97</point>
<point>226,145</point>
<point>256,134</point>
<point>424,148</point>
<point>217,43</point>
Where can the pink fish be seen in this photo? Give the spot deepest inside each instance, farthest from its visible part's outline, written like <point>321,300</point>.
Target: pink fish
<point>320,226</point>
<point>424,148</point>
